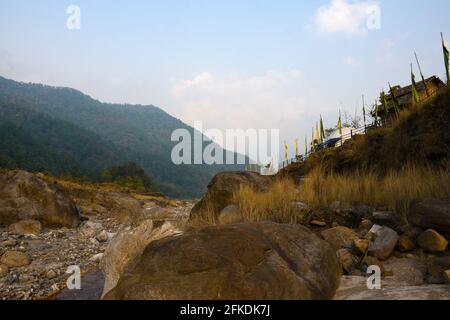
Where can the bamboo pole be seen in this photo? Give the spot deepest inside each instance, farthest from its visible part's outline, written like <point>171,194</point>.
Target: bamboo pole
<point>421,75</point>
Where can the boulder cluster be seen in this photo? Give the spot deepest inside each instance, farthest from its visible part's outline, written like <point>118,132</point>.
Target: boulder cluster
<point>410,248</point>
<point>154,248</point>
<point>45,228</point>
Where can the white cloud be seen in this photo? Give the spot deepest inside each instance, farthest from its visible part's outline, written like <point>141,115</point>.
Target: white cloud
<point>387,51</point>
<point>236,101</point>
<point>114,81</point>
<point>352,61</point>
<point>347,17</point>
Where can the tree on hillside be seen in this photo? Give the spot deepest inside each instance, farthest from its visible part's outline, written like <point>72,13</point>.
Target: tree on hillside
<point>129,175</point>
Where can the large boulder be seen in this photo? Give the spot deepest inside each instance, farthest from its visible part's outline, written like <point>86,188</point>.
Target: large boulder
<point>237,261</point>
<point>221,189</point>
<point>25,196</point>
<point>127,246</point>
<point>407,271</point>
<point>122,206</point>
<point>431,214</point>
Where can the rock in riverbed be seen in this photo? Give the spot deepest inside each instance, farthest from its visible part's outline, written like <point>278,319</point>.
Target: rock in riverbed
<point>24,195</point>
<point>127,246</point>
<point>431,213</point>
<point>25,227</point>
<point>230,214</point>
<point>432,241</point>
<point>14,259</point>
<point>237,261</point>
<point>384,242</point>
<point>221,189</point>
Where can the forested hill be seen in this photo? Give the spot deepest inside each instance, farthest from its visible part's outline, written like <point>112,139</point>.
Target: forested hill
<point>63,131</point>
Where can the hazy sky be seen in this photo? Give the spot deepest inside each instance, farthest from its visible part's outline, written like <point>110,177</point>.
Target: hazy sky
<point>232,64</point>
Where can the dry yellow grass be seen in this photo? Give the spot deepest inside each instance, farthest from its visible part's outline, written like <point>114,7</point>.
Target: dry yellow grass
<point>206,217</point>
<point>409,183</point>
<point>277,204</point>
<point>319,190</point>
<point>70,184</point>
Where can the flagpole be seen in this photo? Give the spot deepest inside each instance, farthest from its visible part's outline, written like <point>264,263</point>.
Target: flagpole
<point>421,75</point>
<point>394,98</point>
<point>414,92</point>
<point>446,60</point>
<point>364,114</point>
<point>376,113</point>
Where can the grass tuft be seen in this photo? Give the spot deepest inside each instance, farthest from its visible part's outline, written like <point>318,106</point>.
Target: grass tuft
<point>277,204</point>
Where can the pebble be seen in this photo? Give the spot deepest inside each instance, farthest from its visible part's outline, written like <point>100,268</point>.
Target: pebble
<point>51,274</point>
<point>94,241</point>
<point>14,259</point>
<point>405,244</point>
<point>96,258</point>
<point>3,270</point>
<point>102,236</point>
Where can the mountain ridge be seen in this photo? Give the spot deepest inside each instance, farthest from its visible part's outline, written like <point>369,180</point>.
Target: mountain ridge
<point>139,133</point>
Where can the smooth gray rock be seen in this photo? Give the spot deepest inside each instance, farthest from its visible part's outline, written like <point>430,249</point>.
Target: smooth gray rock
<point>384,242</point>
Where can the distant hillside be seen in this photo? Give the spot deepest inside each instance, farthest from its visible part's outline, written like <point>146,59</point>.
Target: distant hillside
<point>61,130</point>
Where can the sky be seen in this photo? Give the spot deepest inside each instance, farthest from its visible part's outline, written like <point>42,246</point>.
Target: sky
<point>230,64</point>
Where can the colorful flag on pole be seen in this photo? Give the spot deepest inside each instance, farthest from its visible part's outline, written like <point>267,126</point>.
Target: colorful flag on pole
<point>340,123</point>
<point>306,147</point>
<point>415,92</point>
<point>317,133</point>
<point>446,59</point>
<point>322,131</point>
<point>394,99</point>
<point>286,149</point>
<point>384,102</point>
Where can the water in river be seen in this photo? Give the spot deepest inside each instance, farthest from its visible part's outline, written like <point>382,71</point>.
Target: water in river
<point>91,288</point>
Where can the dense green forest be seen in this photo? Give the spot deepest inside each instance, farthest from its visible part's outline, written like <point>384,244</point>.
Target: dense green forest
<point>129,175</point>
<point>65,132</point>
